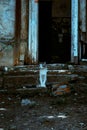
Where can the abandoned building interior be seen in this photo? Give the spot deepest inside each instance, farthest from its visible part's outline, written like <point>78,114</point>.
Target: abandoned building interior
<point>35,31</point>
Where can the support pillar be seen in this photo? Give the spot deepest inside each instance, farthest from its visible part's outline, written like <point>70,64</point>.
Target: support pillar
<point>83,15</point>
<point>82,27</point>
<point>33,32</point>
<point>74,31</point>
<point>23,31</point>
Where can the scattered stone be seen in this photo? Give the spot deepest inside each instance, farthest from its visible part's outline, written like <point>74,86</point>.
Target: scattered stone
<point>61,115</point>
<point>25,102</point>
<point>82,124</point>
<point>12,127</point>
<point>9,99</point>
<point>81,77</point>
<point>70,67</point>
<point>74,78</point>
<point>76,94</point>
<point>44,119</point>
<point>3,109</point>
<point>24,87</point>
<point>52,118</point>
<point>69,72</point>
<point>60,89</point>
<point>50,107</point>
<point>2,102</point>
<point>52,128</point>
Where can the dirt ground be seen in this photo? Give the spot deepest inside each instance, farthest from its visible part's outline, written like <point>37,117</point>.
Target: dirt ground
<point>44,111</point>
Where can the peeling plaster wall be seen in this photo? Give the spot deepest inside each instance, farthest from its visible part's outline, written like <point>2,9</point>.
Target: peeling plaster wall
<point>7,19</point>
<point>13,31</point>
<point>6,56</point>
<point>7,31</point>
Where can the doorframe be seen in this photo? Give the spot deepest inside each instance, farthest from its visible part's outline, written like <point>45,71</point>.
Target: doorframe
<point>33,32</point>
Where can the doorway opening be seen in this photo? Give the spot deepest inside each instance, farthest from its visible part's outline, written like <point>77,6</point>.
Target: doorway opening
<point>54,31</point>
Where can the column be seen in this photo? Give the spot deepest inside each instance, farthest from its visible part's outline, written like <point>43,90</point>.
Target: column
<point>83,15</point>
<point>74,31</point>
<point>24,30</point>
<point>33,32</point>
<point>82,27</point>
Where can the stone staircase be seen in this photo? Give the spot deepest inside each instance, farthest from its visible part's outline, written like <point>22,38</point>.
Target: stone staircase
<point>21,77</point>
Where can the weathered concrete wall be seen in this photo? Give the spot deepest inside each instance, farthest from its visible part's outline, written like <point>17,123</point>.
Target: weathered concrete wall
<point>6,55</point>
<point>13,31</point>
<point>7,31</point>
<point>7,19</point>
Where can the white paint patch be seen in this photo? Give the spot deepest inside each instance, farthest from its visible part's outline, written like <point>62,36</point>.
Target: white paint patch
<point>59,71</point>
<point>62,116</point>
<point>1,129</point>
<point>50,117</point>
<point>84,60</point>
<point>6,68</point>
<point>55,117</point>
<point>3,109</point>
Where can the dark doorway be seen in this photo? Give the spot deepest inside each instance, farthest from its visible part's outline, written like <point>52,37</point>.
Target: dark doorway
<point>54,35</point>
<point>45,8</point>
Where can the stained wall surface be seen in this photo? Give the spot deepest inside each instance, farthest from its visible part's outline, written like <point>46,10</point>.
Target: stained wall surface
<point>7,19</point>
<point>13,31</point>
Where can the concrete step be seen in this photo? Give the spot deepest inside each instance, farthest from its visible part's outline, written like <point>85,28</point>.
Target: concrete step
<point>19,76</point>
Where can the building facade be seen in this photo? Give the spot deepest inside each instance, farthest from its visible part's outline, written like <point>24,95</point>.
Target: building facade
<point>34,31</point>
